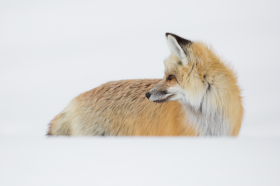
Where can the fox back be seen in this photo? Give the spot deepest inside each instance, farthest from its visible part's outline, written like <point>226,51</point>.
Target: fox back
<point>198,96</point>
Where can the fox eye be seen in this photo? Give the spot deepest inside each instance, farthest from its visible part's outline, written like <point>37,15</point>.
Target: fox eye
<point>170,77</point>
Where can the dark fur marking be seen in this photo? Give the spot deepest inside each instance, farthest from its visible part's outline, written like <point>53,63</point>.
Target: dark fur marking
<point>180,40</point>
<point>133,99</point>
<point>200,107</point>
<point>209,87</point>
<point>49,132</point>
<point>163,92</point>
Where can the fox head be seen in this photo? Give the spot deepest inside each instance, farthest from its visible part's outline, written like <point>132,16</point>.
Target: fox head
<point>204,85</point>
<point>186,77</point>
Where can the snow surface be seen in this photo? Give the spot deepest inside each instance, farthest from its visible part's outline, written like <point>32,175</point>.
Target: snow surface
<point>51,51</point>
<point>140,161</point>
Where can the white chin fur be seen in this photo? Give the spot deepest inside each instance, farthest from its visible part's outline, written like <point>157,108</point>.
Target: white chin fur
<point>178,93</point>
<point>156,98</point>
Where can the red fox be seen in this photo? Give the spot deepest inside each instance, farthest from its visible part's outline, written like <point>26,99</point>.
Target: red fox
<point>198,96</point>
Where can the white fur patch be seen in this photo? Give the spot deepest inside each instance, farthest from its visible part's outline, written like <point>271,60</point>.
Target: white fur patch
<point>177,91</point>
<point>159,97</point>
<point>202,110</point>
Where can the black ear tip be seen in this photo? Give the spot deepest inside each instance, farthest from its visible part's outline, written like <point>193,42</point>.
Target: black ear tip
<point>167,34</point>
<point>178,38</point>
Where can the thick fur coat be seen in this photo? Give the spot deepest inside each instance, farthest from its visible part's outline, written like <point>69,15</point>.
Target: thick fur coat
<point>198,96</point>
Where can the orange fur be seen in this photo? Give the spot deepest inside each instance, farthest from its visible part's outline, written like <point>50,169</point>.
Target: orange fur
<point>122,109</point>
<point>201,98</point>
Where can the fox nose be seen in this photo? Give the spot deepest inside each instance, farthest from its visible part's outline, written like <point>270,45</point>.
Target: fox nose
<point>148,95</point>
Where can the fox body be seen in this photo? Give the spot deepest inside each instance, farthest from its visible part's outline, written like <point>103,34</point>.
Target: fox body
<point>198,96</point>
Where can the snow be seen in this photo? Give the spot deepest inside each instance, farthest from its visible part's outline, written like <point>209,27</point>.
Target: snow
<point>140,161</point>
<point>54,50</point>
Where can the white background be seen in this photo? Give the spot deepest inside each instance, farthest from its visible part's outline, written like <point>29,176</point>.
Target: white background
<point>51,51</point>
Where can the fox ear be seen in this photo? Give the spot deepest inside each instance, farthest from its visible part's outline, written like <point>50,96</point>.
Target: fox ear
<point>176,45</point>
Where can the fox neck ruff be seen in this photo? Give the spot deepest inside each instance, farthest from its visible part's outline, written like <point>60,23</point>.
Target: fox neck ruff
<point>205,113</point>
